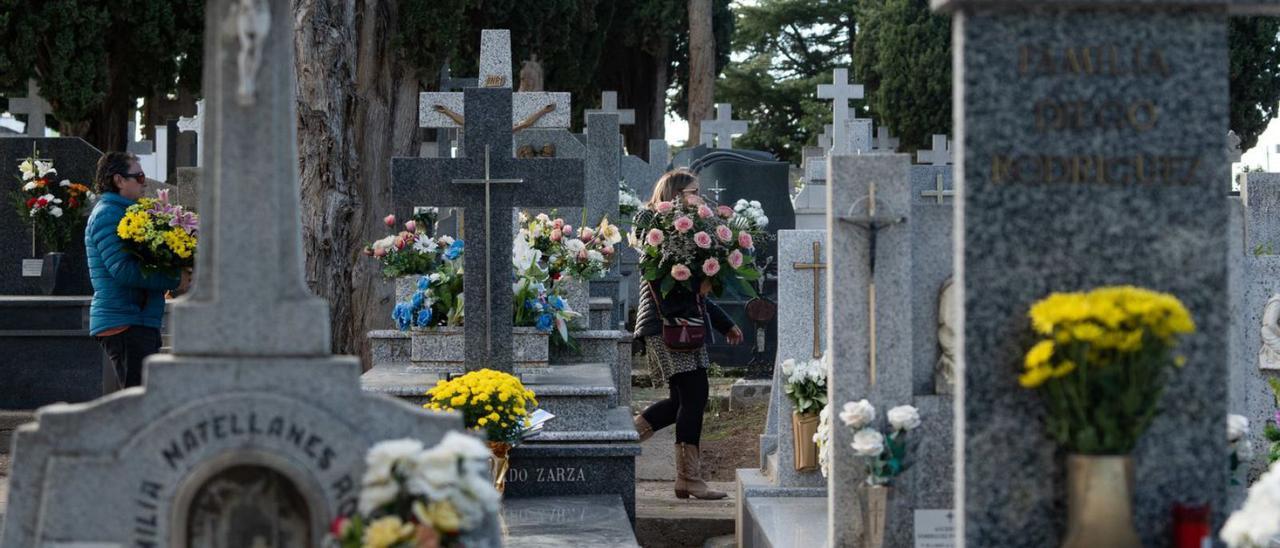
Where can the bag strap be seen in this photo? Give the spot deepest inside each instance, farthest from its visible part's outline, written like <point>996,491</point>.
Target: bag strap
<point>657,304</point>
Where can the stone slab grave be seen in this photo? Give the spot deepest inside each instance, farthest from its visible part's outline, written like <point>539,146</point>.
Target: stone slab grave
<point>725,177</point>
<point>801,336</point>
<point>1048,204</point>
<point>1254,350</point>
<point>46,353</point>
<point>590,447</point>
<point>251,432</point>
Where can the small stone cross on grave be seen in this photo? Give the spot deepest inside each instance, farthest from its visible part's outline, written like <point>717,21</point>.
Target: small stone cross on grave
<point>717,189</point>
<point>723,127</point>
<point>34,106</point>
<point>487,174</point>
<point>609,103</point>
<point>195,124</point>
<point>872,222</point>
<point>885,142</point>
<point>840,91</point>
<point>939,156</point>
<point>940,190</point>
<point>817,266</point>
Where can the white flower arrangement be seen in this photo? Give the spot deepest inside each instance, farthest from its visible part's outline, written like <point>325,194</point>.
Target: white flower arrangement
<point>1239,443</point>
<point>806,384</point>
<point>629,203</point>
<point>886,454</point>
<point>749,215</point>
<point>823,439</point>
<point>1256,524</point>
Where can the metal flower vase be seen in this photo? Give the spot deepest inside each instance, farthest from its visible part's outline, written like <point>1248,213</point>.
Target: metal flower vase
<point>877,514</point>
<point>1099,502</point>
<point>803,427</point>
<point>499,463</point>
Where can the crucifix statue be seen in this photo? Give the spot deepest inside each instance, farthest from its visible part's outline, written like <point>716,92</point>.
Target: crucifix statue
<point>872,222</point>
<point>817,266</point>
<point>488,176</point>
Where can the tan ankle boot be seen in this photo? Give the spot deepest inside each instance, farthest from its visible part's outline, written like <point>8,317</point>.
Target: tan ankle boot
<point>689,474</point>
<point>643,428</point>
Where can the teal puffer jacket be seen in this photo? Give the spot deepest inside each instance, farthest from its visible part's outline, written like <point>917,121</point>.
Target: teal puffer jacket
<point>122,294</point>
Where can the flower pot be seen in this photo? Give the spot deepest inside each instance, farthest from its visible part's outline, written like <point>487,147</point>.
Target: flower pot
<point>55,274</point>
<point>803,427</point>
<point>1099,502</point>
<point>877,514</point>
<point>576,293</point>
<point>405,287</point>
<point>499,463</point>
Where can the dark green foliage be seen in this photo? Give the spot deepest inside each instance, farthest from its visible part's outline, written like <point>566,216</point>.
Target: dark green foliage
<point>1254,74</point>
<point>903,57</point>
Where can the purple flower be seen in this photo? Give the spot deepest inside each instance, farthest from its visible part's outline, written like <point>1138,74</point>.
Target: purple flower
<point>185,220</point>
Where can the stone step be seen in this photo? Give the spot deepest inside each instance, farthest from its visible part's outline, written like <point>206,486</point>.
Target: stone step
<point>600,315</point>
<point>780,522</point>
<point>579,395</point>
<point>550,521</point>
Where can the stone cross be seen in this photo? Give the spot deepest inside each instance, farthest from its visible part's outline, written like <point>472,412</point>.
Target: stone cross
<point>495,59</point>
<point>603,167</point>
<point>250,297</point>
<point>940,191</point>
<point>723,127</point>
<point>817,266</point>
<point>609,103</point>
<point>445,137</point>
<point>487,174</point>
<point>939,156</point>
<point>195,124</point>
<point>873,223</point>
<point>824,140</point>
<point>885,142</point>
<point>34,106</point>
<point>840,91</point>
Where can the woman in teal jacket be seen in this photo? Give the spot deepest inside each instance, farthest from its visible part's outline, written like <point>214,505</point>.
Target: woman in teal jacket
<point>128,305</point>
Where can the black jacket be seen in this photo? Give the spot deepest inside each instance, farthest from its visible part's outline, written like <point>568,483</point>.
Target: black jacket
<point>679,302</point>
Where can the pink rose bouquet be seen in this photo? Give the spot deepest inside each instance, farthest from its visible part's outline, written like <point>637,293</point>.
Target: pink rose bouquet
<point>683,242</point>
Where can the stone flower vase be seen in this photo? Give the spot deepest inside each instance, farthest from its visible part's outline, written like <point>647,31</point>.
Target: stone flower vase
<point>1099,502</point>
<point>499,463</point>
<point>877,514</point>
<point>576,293</point>
<point>803,427</point>
<point>406,286</point>
<point>55,274</point>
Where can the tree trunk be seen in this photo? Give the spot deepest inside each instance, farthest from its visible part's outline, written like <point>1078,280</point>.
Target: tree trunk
<point>702,67</point>
<point>386,118</point>
<point>661,80</point>
<point>325,64</point>
<point>640,79</point>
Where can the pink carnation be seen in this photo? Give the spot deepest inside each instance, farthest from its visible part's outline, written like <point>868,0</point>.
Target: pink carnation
<point>710,267</point>
<point>556,234</point>
<point>665,207</point>
<point>683,224</point>
<point>654,237</point>
<point>702,239</point>
<point>724,233</point>
<point>744,240</point>
<point>735,259</point>
<point>680,272</point>
<point>725,211</point>
<point>705,212</point>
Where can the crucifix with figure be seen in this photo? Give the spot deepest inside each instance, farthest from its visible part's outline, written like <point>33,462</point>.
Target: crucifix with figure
<point>489,178</point>
<point>873,223</point>
<point>817,266</point>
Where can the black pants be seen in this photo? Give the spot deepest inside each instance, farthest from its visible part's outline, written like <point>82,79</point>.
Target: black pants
<point>126,351</point>
<point>683,407</point>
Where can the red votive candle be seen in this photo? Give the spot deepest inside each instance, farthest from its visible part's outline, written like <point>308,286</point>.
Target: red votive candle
<point>1190,525</point>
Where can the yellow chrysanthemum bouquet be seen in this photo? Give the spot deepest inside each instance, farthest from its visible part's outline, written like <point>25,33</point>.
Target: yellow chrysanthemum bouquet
<point>160,234</point>
<point>491,402</point>
<point>1101,363</point>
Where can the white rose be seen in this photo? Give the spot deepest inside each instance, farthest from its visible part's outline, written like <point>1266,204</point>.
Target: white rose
<point>904,417</point>
<point>29,186</point>
<point>868,443</point>
<point>858,414</point>
<point>434,277</point>
<point>384,244</point>
<point>64,183</point>
<point>1237,427</point>
<point>763,221</point>
<point>382,457</point>
<point>373,496</point>
<point>55,211</point>
<point>788,366</point>
<point>755,203</point>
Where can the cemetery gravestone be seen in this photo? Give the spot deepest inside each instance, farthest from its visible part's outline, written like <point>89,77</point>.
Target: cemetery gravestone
<point>253,408</point>
<point>840,91</point>
<point>195,124</point>
<point>1106,215</point>
<point>609,105</point>
<point>885,142</point>
<point>720,131</point>
<point>35,107</point>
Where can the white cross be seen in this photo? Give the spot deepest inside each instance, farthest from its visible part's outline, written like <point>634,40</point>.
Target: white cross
<point>609,104</point>
<point>34,106</point>
<point>154,160</point>
<point>840,91</point>
<point>196,124</point>
<point>723,127</point>
<point>940,190</point>
<point>885,141</point>
<point>939,156</point>
<point>495,61</point>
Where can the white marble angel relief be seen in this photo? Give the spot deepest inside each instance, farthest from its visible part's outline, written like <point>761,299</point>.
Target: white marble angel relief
<point>944,373</point>
<point>1269,354</point>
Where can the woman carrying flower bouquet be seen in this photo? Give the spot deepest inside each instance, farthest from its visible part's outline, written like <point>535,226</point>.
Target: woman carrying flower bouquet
<point>128,306</point>
<point>684,370</point>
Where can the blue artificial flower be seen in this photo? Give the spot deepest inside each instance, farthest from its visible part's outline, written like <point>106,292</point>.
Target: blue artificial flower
<point>416,302</point>
<point>530,304</point>
<point>423,283</point>
<point>424,317</point>
<point>454,250</point>
<point>544,322</point>
<point>556,302</point>
<point>401,314</point>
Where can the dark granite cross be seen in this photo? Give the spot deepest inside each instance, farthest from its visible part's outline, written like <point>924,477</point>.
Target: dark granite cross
<point>489,179</point>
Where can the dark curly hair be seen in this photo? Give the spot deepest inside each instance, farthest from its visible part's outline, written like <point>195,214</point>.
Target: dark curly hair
<point>110,165</point>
